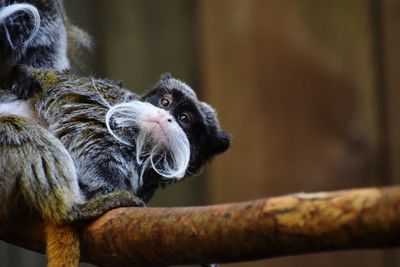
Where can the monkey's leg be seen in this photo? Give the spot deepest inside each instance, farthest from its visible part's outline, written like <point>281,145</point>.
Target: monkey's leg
<point>36,168</point>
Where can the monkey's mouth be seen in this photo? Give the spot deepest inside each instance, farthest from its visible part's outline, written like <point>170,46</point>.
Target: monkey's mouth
<point>164,148</point>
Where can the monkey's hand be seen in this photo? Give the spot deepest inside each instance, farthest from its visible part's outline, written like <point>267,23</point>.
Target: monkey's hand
<point>23,83</point>
<point>95,207</point>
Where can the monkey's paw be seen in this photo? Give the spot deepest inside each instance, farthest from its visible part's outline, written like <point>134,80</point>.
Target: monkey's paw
<point>24,85</point>
<point>97,206</point>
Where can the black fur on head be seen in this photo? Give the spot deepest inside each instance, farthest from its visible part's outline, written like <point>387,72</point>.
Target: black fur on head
<point>197,119</point>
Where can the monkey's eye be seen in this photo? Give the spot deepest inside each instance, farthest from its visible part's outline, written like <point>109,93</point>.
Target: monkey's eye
<point>165,102</point>
<point>184,117</point>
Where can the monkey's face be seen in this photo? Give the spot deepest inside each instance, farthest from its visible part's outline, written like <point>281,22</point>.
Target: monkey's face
<point>174,133</point>
<point>197,120</point>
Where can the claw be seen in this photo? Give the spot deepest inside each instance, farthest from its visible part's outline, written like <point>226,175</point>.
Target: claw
<point>24,85</point>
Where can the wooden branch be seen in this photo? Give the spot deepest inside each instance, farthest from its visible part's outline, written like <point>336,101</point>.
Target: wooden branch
<point>288,225</point>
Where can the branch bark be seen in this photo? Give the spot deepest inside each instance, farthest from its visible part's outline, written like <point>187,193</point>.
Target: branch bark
<point>279,226</point>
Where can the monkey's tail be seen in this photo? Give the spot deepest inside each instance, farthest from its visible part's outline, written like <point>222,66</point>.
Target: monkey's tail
<point>8,12</point>
<point>63,246</point>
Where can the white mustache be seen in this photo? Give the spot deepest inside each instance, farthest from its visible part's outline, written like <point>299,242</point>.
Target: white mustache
<point>168,156</point>
<point>10,10</point>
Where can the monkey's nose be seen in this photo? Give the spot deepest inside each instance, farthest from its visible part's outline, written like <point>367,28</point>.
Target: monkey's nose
<point>168,119</point>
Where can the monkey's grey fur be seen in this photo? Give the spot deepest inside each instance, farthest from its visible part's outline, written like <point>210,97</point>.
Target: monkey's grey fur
<point>20,43</point>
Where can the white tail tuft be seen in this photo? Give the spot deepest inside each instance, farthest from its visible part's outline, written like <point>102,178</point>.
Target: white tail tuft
<point>8,11</point>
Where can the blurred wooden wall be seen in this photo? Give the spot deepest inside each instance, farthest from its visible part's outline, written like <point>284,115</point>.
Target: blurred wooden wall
<point>309,90</point>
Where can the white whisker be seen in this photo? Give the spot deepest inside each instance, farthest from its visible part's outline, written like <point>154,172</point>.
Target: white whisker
<point>98,92</point>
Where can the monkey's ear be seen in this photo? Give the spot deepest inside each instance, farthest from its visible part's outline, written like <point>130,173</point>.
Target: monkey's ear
<point>166,76</point>
<point>221,142</point>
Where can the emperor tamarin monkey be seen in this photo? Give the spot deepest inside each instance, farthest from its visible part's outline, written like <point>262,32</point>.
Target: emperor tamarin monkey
<point>34,33</point>
<point>123,145</point>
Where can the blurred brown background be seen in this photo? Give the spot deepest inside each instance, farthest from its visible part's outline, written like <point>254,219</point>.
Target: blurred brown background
<point>308,89</point>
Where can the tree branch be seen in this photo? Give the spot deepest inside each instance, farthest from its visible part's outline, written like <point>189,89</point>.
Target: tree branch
<point>288,225</point>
